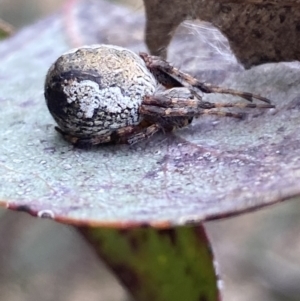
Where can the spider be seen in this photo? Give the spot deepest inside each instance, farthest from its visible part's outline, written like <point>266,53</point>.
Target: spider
<point>108,94</point>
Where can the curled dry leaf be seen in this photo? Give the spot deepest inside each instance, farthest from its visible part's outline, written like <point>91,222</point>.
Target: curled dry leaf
<point>258,31</point>
<point>213,168</point>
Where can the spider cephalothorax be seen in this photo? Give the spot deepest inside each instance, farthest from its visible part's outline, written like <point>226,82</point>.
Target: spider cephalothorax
<point>108,94</point>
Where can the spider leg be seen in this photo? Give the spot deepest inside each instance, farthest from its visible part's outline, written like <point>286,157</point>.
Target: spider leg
<point>144,134</point>
<point>208,88</point>
<point>162,100</point>
<point>222,114</point>
<point>165,107</point>
<point>240,105</point>
<point>155,111</point>
<point>155,63</point>
<point>159,69</point>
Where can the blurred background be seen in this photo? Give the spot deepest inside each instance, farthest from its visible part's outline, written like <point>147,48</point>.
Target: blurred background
<point>19,13</point>
<point>258,253</point>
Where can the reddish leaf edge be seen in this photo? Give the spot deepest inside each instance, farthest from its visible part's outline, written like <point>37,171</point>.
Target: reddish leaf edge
<point>159,224</point>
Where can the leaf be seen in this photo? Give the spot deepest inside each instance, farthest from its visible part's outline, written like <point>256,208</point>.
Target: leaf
<point>159,264</point>
<point>211,169</point>
<point>5,29</point>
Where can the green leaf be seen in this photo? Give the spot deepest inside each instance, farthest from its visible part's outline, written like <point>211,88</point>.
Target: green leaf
<point>170,264</point>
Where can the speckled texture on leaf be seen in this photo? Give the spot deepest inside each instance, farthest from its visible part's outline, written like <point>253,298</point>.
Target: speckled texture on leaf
<point>213,168</point>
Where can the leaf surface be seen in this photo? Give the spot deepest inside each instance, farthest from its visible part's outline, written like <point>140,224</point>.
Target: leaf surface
<point>213,168</point>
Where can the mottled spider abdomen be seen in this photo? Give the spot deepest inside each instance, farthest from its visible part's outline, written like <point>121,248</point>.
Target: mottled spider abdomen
<point>98,89</point>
